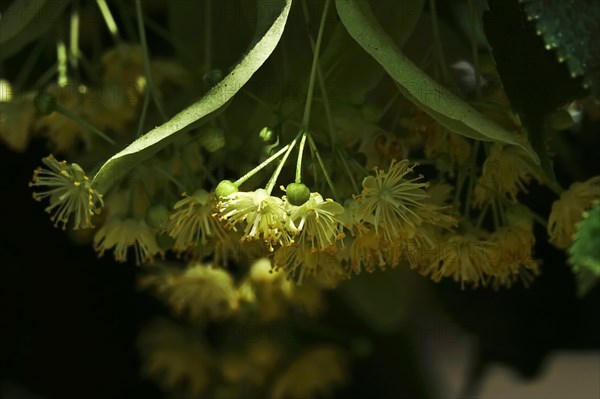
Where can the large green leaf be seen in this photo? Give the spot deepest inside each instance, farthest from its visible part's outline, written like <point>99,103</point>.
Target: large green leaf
<point>271,22</point>
<point>439,102</point>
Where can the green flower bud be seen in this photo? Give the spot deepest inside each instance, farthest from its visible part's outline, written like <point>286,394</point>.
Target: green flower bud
<point>45,103</point>
<point>164,240</point>
<point>297,193</point>
<point>268,135</point>
<point>157,216</point>
<point>371,113</point>
<point>224,188</point>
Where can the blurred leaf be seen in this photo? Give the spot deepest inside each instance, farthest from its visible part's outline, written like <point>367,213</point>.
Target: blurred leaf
<point>445,107</point>
<point>267,36</point>
<point>381,299</point>
<point>584,253</point>
<point>586,281</point>
<point>25,20</point>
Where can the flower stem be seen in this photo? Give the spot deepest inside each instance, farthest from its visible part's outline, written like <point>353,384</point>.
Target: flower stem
<point>273,179</point>
<point>144,43</point>
<point>267,161</point>
<point>109,20</point>
<point>313,70</point>
<point>438,42</point>
<point>474,48</point>
<point>322,165</point>
<point>62,110</point>
<point>207,36</point>
<point>61,59</point>
<point>143,113</point>
<point>311,87</point>
<point>299,162</point>
<point>328,113</point>
<point>74,39</point>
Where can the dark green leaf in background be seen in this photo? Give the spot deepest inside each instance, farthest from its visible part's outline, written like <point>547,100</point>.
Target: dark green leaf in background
<point>572,28</point>
<point>533,79</point>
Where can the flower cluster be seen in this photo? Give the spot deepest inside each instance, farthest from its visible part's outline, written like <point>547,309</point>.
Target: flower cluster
<point>303,234</point>
<point>180,354</point>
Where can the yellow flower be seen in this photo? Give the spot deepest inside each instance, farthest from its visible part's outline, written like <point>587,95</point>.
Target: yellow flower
<point>272,293</point>
<point>439,141</point>
<point>369,250</point>
<point>175,356</point>
<point>389,201</point>
<point>568,210</point>
<point>512,256</point>
<point>265,216</point>
<point>253,365</point>
<point>123,234</point>
<point>108,109</point>
<point>297,261</point>
<point>365,251</point>
<point>381,147</point>
<point>315,373</point>
<point>193,221</point>
<point>72,197</point>
<point>466,259</point>
<point>124,65</point>
<point>199,292</point>
<point>507,170</point>
<point>16,118</point>
<point>64,133</point>
<point>319,222</point>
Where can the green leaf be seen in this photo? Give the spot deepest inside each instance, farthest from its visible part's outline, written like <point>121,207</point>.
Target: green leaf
<point>572,29</point>
<point>25,20</point>
<point>585,282</point>
<point>584,253</point>
<point>399,18</point>
<point>525,68</point>
<point>439,102</point>
<point>268,34</point>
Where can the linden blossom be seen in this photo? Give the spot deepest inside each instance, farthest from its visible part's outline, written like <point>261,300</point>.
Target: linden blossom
<point>389,201</point>
<point>71,196</point>
<point>199,292</point>
<point>318,221</point>
<point>193,221</point>
<point>265,216</point>
<point>506,171</point>
<point>123,234</point>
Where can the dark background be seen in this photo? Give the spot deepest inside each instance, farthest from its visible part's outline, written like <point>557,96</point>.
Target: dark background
<point>68,321</point>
